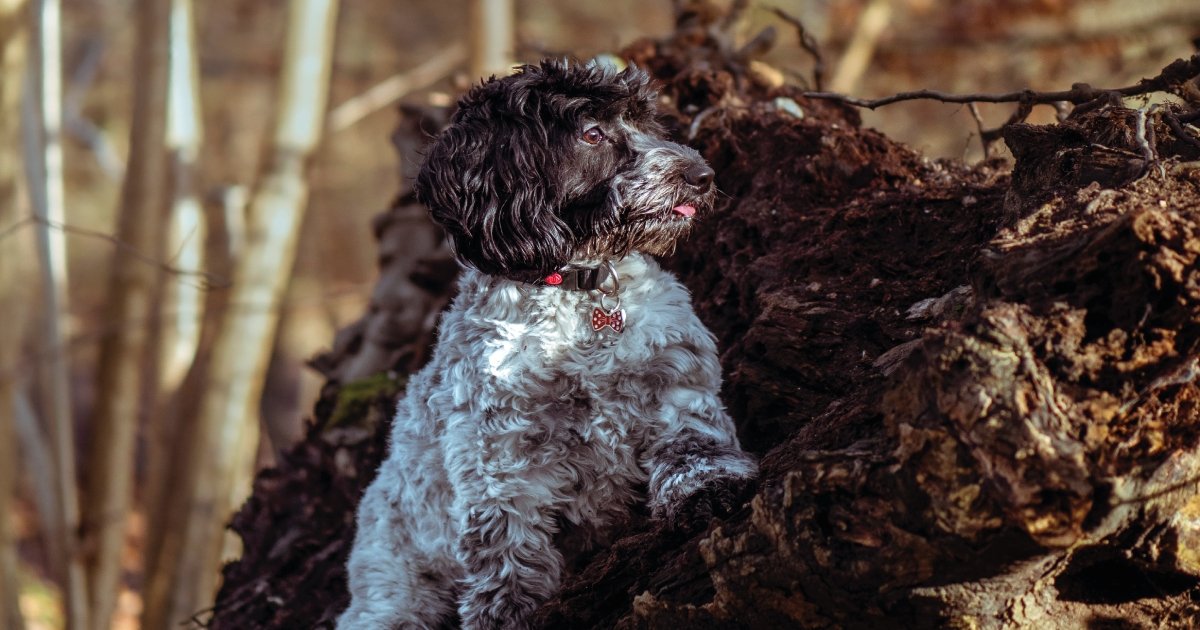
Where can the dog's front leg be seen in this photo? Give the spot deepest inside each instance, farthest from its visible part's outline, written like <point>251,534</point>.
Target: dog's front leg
<point>697,469</point>
<point>505,542</point>
<point>511,565</point>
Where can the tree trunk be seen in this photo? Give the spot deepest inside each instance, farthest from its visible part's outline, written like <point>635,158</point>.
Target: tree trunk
<point>492,32</point>
<point>183,307</point>
<point>183,302</point>
<point>220,451</point>
<point>14,30</point>
<point>133,289</point>
<point>872,22</point>
<point>44,167</point>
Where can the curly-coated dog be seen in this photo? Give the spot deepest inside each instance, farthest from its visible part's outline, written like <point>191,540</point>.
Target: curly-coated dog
<point>571,377</point>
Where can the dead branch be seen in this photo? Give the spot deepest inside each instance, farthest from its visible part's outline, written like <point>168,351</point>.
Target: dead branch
<point>1168,80</point>
<point>983,133</point>
<point>809,44</point>
<point>393,88</point>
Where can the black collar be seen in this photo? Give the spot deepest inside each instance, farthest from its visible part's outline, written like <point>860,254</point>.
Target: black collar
<point>599,278</point>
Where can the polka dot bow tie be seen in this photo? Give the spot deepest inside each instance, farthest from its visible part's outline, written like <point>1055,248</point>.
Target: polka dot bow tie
<point>614,319</point>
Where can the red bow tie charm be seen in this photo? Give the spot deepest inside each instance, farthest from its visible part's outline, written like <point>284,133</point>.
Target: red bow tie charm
<point>614,319</point>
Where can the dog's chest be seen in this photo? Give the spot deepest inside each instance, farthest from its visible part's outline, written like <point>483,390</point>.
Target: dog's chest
<point>588,410</point>
<point>566,409</point>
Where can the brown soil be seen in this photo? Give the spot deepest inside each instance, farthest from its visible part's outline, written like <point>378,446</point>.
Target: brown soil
<point>973,388</point>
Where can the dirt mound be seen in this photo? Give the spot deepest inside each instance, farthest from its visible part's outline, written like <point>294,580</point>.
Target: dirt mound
<point>974,392</point>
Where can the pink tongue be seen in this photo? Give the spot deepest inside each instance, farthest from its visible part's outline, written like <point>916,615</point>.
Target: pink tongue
<point>685,210</point>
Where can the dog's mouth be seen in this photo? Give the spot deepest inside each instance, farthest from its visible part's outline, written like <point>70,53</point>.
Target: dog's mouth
<point>686,210</point>
<point>653,231</point>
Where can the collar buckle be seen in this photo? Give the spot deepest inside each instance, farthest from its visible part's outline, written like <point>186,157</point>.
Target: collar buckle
<point>602,278</point>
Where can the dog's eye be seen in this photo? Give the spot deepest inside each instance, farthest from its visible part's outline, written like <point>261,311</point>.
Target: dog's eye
<point>593,135</point>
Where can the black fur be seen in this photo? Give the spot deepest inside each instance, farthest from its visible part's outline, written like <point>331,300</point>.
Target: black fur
<point>520,194</point>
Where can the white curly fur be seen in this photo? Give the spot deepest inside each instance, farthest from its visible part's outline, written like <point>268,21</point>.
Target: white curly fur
<point>521,416</point>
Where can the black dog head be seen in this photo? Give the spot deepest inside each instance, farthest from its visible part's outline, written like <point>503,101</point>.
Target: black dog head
<point>560,162</point>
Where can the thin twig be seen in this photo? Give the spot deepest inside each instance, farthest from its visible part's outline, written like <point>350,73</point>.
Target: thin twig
<point>208,280</point>
<point>809,44</point>
<point>974,109</point>
<point>934,95</point>
<point>1173,75</point>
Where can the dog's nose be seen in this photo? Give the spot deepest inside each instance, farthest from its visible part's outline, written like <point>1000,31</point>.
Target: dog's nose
<point>699,175</point>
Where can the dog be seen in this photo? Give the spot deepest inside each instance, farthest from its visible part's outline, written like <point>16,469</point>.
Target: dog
<point>571,377</point>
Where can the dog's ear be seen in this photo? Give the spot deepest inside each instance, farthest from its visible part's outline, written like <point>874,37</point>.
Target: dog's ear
<point>489,181</point>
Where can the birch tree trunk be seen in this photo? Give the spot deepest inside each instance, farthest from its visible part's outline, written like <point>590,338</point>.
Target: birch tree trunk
<point>219,447</point>
<point>492,49</point>
<point>133,286</point>
<point>14,24</point>
<point>183,304</point>
<point>44,164</point>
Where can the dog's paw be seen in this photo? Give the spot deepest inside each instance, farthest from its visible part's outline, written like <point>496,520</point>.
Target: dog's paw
<point>715,498</point>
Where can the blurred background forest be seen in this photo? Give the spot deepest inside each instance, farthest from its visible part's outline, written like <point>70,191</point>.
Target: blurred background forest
<point>213,174</point>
